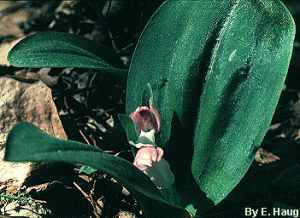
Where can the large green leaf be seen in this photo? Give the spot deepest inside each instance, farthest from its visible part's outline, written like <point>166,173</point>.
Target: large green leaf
<point>58,49</point>
<point>216,69</point>
<point>25,142</point>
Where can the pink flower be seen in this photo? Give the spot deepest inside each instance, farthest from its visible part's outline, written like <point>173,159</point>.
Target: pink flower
<point>146,156</point>
<point>149,156</point>
<point>146,119</point>
<point>149,160</point>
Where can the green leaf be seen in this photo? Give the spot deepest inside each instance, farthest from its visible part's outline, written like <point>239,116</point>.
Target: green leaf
<point>216,69</point>
<point>25,142</point>
<point>87,169</point>
<point>129,127</point>
<point>147,94</point>
<point>58,49</point>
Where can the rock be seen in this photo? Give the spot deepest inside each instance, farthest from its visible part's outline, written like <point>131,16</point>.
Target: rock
<point>25,102</point>
<point>31,210</point>
<point>126,214</point>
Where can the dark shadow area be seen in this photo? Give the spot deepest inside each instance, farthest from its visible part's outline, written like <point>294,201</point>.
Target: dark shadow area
<point>272,185</point>
<point>179,152</point>
<point>228,103</point>
<point>196,79</point>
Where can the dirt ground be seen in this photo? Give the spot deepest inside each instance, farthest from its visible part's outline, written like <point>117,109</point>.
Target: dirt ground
<point>83,105</point>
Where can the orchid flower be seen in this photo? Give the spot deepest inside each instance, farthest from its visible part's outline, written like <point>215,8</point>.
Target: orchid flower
<point>149,156</point>
<point>146,118</point>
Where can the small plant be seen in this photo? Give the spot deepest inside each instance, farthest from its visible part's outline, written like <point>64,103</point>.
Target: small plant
<point>16,195</point>
<point>202,88</point>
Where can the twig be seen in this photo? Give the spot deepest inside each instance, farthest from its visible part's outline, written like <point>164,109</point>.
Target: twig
<point>90,199</point>
<point>65,103</point>
<point>83,136</point>
<point>93,140</point>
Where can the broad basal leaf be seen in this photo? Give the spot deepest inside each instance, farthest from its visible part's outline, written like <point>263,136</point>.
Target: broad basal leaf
<point>58,49</point>
<point>25,142</point>
<point>216,69</point>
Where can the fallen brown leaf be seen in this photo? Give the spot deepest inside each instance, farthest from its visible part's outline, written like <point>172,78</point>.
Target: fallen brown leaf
<point>264,157</point>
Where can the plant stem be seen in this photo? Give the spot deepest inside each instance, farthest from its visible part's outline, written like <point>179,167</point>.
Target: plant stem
<point>8,196</point>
